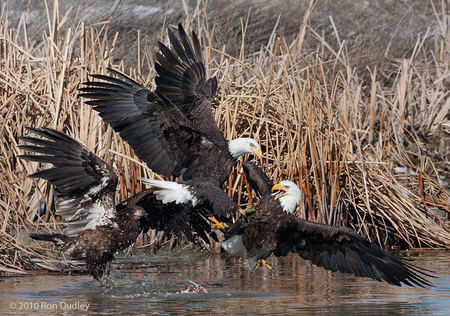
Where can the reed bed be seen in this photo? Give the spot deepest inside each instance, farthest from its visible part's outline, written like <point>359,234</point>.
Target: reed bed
<point>320,124</point>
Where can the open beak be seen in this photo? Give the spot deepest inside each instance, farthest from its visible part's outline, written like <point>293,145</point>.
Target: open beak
<point>279,192</point>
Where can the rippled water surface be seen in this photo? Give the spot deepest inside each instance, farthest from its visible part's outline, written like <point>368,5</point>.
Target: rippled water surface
<point>153,284</point>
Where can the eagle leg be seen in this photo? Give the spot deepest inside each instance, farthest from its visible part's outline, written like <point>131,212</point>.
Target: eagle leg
<point>216,224</point>
<point>249,210</point>
<point>262,263</point>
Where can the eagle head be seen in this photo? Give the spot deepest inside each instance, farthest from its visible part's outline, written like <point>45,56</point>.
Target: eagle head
<point>241,146</point>
<point>288,194</point>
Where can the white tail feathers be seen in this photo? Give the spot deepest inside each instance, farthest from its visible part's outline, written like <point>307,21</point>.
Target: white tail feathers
<point>168,192</point>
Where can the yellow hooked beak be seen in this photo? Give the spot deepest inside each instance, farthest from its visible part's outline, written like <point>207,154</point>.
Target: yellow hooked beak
<point>257,152</point>
<point>277,187</point>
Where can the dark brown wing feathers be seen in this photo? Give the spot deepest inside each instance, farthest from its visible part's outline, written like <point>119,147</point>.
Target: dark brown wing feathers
<point>335,248</point>
<point>83,183</point>
<point>182,79</point>
<point>341,249</point>
<point>75,167</point>
<point>165,128</point>
<point>82,180</point>
<point>124,105</point>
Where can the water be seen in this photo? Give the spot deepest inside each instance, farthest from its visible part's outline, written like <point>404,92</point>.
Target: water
<point>153,284</point>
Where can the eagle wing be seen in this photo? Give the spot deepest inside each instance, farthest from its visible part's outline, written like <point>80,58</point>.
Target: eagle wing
<point>141,118</point>
<point>257,178</point>
<point>182,79</point>
<point>168,128</point>
<point>338,248</point>
<point>85,184</point>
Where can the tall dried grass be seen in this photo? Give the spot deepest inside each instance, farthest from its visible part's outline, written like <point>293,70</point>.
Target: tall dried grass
<point>321,125</point>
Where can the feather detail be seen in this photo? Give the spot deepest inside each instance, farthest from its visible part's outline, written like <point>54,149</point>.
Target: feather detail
<point>168,192</point>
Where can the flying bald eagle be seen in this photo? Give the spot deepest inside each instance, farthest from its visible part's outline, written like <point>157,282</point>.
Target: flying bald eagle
<point>95,227</point>
<point>173,129</point>
<point>273,228</point>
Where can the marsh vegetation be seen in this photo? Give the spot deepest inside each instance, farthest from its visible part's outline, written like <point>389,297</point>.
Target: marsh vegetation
<point>369,147</point>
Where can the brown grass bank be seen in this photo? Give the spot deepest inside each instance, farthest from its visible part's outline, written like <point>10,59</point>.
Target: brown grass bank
<point>355,144</point>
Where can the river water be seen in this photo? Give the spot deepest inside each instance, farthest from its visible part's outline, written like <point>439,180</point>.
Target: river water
<point>153,284</point>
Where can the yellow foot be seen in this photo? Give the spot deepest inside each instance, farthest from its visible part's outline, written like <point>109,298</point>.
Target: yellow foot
<point>262,263</point>
<point>216,224</point>
<point>248,210</point>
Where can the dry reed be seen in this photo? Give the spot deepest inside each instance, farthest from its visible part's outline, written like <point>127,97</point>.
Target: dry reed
<point>318,122</point>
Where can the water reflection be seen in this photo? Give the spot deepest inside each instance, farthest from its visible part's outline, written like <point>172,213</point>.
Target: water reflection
<point>153,284</point>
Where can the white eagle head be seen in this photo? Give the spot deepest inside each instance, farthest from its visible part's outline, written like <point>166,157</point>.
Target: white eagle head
<point>289,195</point>
<point>241,146</point>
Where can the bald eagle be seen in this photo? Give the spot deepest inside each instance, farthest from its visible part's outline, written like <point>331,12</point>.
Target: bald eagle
<point>95,227</point>
<point>273,228</point>
<point>172,128</point>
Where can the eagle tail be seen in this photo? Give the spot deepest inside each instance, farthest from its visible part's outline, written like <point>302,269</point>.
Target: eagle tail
<point>168,192</point>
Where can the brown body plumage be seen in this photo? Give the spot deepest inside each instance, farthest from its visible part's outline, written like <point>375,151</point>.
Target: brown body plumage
<point>272,229</point>
<point>172,128</point>
<point>98,246</point>
<point>95,227</point>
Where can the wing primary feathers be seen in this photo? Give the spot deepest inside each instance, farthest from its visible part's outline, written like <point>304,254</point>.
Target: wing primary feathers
<point>96,228</point>
<point>130,110</point>
<point>197,47</point>
<point>84,183</point>
<point>172,128</point>
<point>273,230</point>
<point>168,60</point>
<point>338,248</point>
<point>177,46</point>
<point>186,44</point>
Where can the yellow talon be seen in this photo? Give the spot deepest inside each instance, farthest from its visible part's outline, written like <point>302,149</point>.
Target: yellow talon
<point>262,263</point>
<point>248,210</point>
<point>216,224</point>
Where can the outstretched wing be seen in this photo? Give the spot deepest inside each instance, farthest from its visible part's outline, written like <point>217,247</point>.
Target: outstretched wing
<point>158,133</point>
<point>85,184</point>
<point>182,79</point>
<point>168,128</point>
<point>338,248</point>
